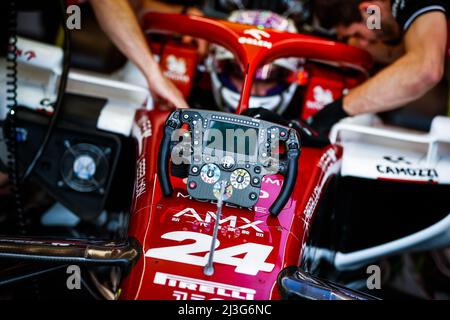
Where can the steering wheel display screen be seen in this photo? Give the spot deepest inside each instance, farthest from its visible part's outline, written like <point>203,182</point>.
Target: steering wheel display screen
<point>231,138</point>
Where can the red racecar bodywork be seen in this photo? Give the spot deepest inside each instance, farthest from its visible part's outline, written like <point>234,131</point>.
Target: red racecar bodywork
<point>253,246</point>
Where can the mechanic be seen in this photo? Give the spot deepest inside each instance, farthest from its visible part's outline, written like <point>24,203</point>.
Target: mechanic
<point>413,37</point>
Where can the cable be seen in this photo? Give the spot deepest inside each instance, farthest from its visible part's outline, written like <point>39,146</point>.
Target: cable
<point>89,290</point>
<point>440,263</point>
<point>27,276</point>
<point>11,132</point>
<point>61,91</point>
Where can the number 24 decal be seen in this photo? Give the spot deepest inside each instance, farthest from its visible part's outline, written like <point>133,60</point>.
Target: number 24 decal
<point>251,263</point>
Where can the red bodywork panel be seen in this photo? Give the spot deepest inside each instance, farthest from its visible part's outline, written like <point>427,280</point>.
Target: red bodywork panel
<point>323,88</point>
<point>178,63</point>
<point>253,246</point>
<point>325,85</point>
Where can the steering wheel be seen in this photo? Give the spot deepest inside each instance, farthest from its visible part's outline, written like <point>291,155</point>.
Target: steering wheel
<point>238,149</point>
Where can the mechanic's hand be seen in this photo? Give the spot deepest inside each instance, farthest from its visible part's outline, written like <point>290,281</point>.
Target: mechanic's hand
<point>164,88</point>
<point>308,136</point>
<point>324,120</point>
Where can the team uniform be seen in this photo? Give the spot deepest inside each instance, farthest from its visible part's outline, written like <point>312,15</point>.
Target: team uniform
<point>407,11</point>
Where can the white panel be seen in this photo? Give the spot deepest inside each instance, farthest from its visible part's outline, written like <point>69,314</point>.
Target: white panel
<point>40,55</point>
<point>374,151</point>
<point>115,117</point>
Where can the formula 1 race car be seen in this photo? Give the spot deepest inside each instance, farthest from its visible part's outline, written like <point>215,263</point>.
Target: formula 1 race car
<point>286,216</point>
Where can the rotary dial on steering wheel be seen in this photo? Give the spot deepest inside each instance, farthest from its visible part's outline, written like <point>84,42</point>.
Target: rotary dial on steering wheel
<point>210,173</point>
<point>240,179</point>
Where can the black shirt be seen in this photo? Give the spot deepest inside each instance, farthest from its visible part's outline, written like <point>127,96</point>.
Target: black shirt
<point>407,11</point>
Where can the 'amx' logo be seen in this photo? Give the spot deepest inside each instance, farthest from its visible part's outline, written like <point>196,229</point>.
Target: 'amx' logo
<point>232,221</point>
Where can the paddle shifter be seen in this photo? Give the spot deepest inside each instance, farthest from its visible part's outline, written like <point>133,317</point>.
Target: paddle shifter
<point>233,148</point>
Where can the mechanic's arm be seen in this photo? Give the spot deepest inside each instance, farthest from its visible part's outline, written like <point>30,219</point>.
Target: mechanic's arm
<point>119,22</point>
<point>404,81</point>
<point>381,53</point>
<point>411,76</point>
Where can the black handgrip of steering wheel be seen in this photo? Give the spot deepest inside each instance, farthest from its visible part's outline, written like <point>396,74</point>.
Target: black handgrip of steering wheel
<point>288,183</point>
<point>163,162</point>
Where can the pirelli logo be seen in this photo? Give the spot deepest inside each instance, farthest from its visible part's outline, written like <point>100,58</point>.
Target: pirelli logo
<point>205,287</point>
